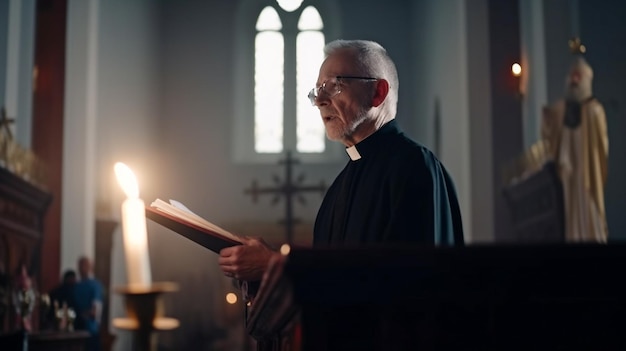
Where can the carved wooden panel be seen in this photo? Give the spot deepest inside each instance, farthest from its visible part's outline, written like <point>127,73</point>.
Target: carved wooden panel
<point>22,213</point>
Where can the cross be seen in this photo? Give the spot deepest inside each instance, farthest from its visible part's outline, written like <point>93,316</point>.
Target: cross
<point>289,189</point>
<point>5,122</point>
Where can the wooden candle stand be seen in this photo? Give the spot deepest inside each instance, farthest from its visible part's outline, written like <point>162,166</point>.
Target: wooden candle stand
<point>145,313</point>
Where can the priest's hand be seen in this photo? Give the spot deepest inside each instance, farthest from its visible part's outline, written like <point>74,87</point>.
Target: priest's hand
<point>248,261</point>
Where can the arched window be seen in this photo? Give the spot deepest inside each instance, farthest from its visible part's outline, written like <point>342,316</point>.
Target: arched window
<point>269,79</point>
<point>309,48</point>
<point>287,51</point>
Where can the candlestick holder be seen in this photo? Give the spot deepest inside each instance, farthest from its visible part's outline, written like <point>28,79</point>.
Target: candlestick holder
<point>145,313</point>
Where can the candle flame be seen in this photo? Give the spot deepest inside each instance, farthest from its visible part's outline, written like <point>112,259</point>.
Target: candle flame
<point>127,180</point>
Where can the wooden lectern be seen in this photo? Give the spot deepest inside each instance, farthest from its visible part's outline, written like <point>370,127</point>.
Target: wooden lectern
<point>473,298</point>
<point>536,207</point>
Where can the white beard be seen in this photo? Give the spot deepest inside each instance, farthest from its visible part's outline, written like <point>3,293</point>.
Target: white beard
<point>579,93</point>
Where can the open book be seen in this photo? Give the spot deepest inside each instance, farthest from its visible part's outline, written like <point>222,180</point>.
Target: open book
<point>177,217</point>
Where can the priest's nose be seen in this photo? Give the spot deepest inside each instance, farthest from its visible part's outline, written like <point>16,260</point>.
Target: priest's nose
<point>322,100</point>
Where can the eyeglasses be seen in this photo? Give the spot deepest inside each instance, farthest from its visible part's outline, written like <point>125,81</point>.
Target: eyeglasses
<point>332,87</point>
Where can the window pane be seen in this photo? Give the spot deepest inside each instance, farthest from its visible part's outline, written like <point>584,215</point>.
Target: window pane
<point>268,92</point>
<point>310,54</point>
<point>310,19</point>
<point>268,20</point>
<point>289,5</point>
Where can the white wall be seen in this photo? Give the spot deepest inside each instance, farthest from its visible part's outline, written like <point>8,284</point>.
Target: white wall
<point>441,73</point>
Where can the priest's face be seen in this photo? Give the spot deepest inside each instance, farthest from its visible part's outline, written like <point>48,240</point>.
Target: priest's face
<point>346,115</point>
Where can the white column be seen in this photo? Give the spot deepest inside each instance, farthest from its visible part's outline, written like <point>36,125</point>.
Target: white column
<point>480,115</point>
<point>78,213</point>
<point>19,67</point>
<point>534,83</point>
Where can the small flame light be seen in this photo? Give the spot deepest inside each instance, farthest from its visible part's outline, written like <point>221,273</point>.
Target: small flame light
<point>231,298</point>
<point>516,69</point>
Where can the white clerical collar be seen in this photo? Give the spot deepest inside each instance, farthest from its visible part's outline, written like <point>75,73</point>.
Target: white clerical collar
<point>353,153</point>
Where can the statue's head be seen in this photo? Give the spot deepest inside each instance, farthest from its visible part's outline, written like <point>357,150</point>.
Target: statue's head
<point>578,82</point>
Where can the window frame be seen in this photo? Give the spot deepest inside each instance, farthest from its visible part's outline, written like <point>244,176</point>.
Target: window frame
<point>243,150</point>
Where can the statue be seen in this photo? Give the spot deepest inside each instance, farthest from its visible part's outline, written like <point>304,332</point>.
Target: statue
<point>575,130</point>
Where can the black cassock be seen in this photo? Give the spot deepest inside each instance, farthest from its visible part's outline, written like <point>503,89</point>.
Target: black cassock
<point>397,192</point>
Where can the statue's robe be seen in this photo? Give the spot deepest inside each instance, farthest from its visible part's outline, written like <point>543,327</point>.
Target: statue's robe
<point>577,135</point>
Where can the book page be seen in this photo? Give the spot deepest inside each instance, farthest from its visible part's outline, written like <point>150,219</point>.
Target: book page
<point>181,211</point>
<point>180,205</point>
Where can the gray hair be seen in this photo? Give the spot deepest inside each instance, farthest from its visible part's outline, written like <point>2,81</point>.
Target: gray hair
<point>373,61</point>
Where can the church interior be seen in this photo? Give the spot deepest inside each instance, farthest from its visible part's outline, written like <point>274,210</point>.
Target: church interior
<point>167,87</point>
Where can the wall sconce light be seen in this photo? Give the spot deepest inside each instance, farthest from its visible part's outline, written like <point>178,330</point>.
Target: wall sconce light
<point>516,69</point>
<point>519,77</point>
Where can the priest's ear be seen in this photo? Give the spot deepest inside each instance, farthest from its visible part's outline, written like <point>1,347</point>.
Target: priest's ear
<point>382,89</point>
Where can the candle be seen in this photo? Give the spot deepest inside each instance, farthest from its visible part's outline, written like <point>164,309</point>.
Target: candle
<point>134,229</point>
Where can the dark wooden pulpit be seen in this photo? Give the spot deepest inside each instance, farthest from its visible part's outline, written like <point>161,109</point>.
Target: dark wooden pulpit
<point>557,297</point>
<point>536,207</point>
<point>23,208</point>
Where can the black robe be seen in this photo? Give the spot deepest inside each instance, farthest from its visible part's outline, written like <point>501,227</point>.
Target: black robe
<point>396,193</point>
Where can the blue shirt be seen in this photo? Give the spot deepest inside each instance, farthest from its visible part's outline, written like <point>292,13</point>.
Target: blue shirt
<point>87,292</point>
